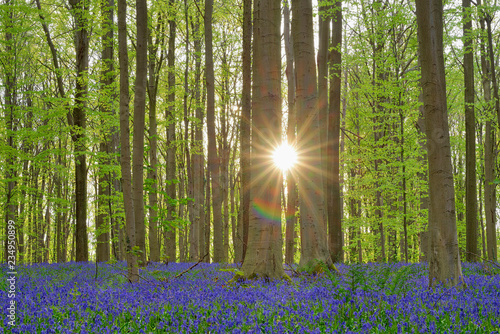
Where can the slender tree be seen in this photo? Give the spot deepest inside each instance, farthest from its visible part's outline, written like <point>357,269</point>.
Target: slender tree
<point>10,107</point>
<point>245,122</point>
<point>197,150</point>
<point>153,71</point>
<point>128,202</point>
<point>312,212</point>
<point>170,233</point>
<point>106,107</point>
<point>213,158</point>
<point>80,10</point>
<point>291,202</point>
<point>444,259</point>
<point>139,126</point>
<point>333,140</point>
<point>322,63</point>
<point>470,137</point>
<point>489,150</point>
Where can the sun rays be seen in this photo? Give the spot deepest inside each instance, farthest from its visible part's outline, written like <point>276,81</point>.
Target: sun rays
<point>284,157</point>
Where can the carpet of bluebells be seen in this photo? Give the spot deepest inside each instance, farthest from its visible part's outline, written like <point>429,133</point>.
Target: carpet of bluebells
<point>369,298</point>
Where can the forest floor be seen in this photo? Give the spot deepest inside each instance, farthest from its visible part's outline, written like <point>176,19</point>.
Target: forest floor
<point>368,298</point>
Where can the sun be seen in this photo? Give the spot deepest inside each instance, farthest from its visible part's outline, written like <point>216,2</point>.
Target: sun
<point>284,157</point>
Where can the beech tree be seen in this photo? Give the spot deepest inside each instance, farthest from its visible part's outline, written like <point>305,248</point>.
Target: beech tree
<point>291,201</point>
<point>264,250</point>
<point>246,105</point>
<point>444,260</point>
<point>103,220</point>
<point>334,206</point>
<point>128,202</point>
<point>213,158</point>
<point>312,212</point>
<point>489,151</point>
<point>470,133</point>
<point>139,126</point>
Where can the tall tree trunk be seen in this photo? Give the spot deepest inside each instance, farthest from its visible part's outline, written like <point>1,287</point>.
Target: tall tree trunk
<point>128,202</point>
<point>170,234</point>
<point>213,158</point>
<point>198,154</point>
<point>139,126</point>
<point>334,207</point>
<point>291,209</point>
<point>224,150</point>
<point>154,247</point>
<point>193,230</point>
<point>489,150</point>
<point>444,261</point>
<point>104,189</point>
<point>80,10</point>
<point>264,251</point>
<point>470,137</point>
<point>10,107</point>
<point>323,108</point>
<point>312,212</point>
<point>245,121</point>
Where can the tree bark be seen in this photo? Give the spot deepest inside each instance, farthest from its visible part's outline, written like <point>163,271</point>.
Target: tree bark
<point>139,126</point>
<point>128,202</point>
<point>323,108</point>
<point>245,121</point>
<point>291,202</point>
<point>213,158</point>
<point>80,10</point>
<point>103,225</point>
<point>10,107</point>
<point>334,207</point>
<point>154,68</point>
<point>312,212</point>
<point>198,154</point>
<point>264,255</point>
<point>470,138</point>
<point>489,151</point>
<point>444,261</point>
<point>171,233</point>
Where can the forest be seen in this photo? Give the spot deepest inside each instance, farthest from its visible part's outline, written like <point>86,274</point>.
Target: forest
<point>262,144</point>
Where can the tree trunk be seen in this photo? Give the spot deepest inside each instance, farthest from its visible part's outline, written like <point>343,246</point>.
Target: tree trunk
<point>213,158</point>
<point>10,107</point>
<point>224,150</point>
<point>264,250</point>
<point>245,122</point>
<point>444,261</point>
<point>104,188</point>
<point>80,10</point>
<point>312,212</point>
<point>489,152</point>
<point>470,138</point>
<point>291,209</point>
<point>170,234</point>
<point>198,155</point>
<point>128,202</point>
<point>154,247</point>
<point>323,108</point>
<point>334,207</point>
<point>139,126</point>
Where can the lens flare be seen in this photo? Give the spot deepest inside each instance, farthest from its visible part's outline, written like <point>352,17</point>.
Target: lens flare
<point>285,157</point>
